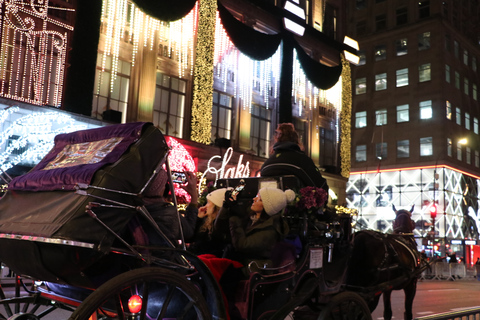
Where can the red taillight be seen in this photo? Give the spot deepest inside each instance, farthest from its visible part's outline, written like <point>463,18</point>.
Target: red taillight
<point>135,303</point>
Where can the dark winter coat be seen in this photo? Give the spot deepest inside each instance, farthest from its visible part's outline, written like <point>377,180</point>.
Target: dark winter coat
<point>290,159</point>
<point>257,241</point>
<point>206,242</point>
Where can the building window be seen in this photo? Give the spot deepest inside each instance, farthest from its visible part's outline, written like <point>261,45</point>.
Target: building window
<point>426,109</point>
<point>426,146</point>
<point>445,9</point>
<point>467,120</point>
<point>327,145</point>
<point>402,16</point>
<point>361,28</point>
<point>457,80</point>
<point>424,72</point>
<point>447,73</point>
<point>360,85</point>
<point>361,4</point>
<point>361,119</point>
<point>363,58</point>
<point>465,57</point>
<point>449,147</point>
<point>169,105</point>
<point>381,22</point>
<point>448,110</point>
<point>466,86</point>
<point>468,155</point>
<point>424,41</point>
<point>114,97</point>
<point>361,153</point>
<point>330,20</point>
<point>381,150</point>
<point>458,116</point>
<point>456,49</point>
<point>448,43</point>
<point>475,125</point>
<point>380,82</point>
<point>260,130</point>
<point>477,159</point>
<point>381,117</point>
<point>402,77</point>
<point>401,47</point>
<point>459,151</point>
<point>383,199</point>
<point>474,92</point>
<point>380,52</point>
<point>474,64</point>
<point>402,113</point>
<point>423,9</point>
<point>403,149</point>
<point>221,116</point>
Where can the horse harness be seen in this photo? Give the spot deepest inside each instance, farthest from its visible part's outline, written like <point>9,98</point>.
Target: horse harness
<point>391,253</point>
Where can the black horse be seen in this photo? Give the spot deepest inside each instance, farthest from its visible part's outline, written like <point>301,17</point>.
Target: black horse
<point>382,262</point>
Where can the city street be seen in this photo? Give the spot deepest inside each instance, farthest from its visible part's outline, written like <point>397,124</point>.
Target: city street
<point>434,296</point>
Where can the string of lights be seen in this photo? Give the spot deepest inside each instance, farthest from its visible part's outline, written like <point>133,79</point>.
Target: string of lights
<point>32,57</point>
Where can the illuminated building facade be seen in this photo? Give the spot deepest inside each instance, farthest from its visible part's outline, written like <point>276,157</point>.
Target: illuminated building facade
<point>222,74</point>
<point>217,76</point>
<point>415,98</point>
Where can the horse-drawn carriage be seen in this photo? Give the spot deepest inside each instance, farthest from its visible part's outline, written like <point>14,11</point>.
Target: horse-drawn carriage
<point>73,226</point>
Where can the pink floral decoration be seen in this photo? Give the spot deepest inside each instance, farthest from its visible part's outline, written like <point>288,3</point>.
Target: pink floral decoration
<point>311,197</point>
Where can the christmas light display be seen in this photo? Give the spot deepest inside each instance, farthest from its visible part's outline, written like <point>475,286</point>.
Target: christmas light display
<point>32,56</point>
<point>345,119</point>
<point>180,160</point>
<point>122,17</point>
<point>30,137</point>
<point>203,81</point>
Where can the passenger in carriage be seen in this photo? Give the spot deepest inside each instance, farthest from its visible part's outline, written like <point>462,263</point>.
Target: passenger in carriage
<point>288,157</point>
<point>165,214</point>
<point>208,239</point>
<point>256,241</point>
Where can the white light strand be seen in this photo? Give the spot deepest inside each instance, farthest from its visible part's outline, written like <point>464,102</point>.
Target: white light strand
<point>227,60</point>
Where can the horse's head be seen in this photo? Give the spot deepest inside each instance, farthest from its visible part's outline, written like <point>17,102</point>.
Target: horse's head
<point>403,222</point>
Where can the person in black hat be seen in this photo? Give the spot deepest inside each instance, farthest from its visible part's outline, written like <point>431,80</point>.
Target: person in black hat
<point>288,158</point>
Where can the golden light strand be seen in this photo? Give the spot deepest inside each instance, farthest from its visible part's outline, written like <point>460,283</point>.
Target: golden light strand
<point>345,118</point>
<point>203,80</point>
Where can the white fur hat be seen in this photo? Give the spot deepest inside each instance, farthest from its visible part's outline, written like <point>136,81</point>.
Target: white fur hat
<point>217,197</point>
<point>274,200</point>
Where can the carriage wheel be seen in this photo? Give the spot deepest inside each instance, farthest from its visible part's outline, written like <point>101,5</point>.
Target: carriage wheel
<point>24,301</point>
<point>346,306</point>
<point>145,293</point>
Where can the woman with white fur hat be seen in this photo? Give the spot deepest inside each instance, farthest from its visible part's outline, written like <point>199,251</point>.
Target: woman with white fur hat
<point>266,228</point>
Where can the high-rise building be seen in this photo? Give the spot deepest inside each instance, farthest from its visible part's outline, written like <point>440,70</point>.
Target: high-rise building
<point>415,118</point>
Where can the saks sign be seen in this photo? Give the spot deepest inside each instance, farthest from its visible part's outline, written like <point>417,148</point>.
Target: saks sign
<point>239,171</point>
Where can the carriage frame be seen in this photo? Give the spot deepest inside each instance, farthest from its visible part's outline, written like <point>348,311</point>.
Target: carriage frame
<point>98,278</point>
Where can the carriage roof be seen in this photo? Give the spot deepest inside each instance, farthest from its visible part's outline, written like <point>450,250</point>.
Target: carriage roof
<point>44,202</point>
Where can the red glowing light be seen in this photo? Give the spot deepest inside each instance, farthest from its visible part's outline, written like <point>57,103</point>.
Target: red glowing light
<point>180,160</point>
<point>135,303</point>
<point>433,211</point>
